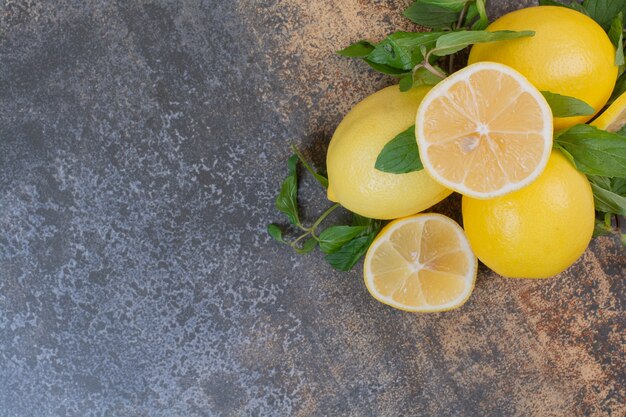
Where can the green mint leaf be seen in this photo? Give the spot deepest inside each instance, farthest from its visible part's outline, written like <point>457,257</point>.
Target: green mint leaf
<point>453,5</point>
<point>616,34</point>
<point>275,232</point>
<point>287,200</point>
<point>308,246</point>
<point>292,164</point>
<point>618,90</point>
<point>604,11</point>
<point>350,253</point>
<point>402,50</point>
<point>333,238</point>
<point>422,76</point>
<point>319,177</point>
<point>406,82</point>
<point>453,42</point>
<point>389,52</point>
<point>618,186</point>
<point>385,69</point>
<point>601,228</point>
<point>607,201</point>
<point>595,151</point>
<point>471,15</point>
<point>358,220</point>
<point>566,154</point>
<point>622,131</point>
<point>400,155</point>
<point>566,106</point>
<point>360,49</point>
<point>431,15</point>
<point>483,20</point>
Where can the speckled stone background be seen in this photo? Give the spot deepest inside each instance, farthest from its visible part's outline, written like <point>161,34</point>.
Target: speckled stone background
<point>142,144</point>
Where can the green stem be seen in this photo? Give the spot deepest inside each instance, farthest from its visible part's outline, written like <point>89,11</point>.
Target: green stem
<point>293,244</point>
<point>433,69</point>
<point>323,216</point>
<point>306,164</point>
<point>311,230</point>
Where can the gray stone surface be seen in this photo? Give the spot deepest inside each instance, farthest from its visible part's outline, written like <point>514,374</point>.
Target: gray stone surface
<point>142,144</point>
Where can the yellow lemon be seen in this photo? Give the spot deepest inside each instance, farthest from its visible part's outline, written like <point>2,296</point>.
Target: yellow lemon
<point>613,118</point>
<point>355,182</point>
<point>421,263</point>
<point>535,232</point>
<point>570,55</point>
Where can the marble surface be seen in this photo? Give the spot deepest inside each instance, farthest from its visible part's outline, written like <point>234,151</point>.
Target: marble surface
<point>142,144</point>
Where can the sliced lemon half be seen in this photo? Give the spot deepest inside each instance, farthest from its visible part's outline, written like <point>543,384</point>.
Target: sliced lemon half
<point>485,131</point>
<point>421,263</point>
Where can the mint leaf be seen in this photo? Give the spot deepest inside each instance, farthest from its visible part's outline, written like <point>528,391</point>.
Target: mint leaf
<point>595,151</point>
<point>406,82</point>
<point>566,106</point>
<point>287,200</point>
<point>618,185</point>
<point>604,11</point>
<point>359,49</point>
<point>602,225</point>
<point>430,14</point>
<point>349,254</point>
<point>483,20</point>
<point>358,220</point>
<point>455,41</point>
<point>453,5</point>
<point>616,34</point>
<point>422,76</point>
<point>389,52</point>
<point>308,246</point>
<point>607,201</point>
<point>400,155</point>
<point>275,232</point>
<point>385,69</point>
<point>402,50</point>
<point>333,238</point>
<point>618,90</point>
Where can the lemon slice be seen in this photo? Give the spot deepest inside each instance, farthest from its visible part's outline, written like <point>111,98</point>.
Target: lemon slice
<point>421,263</point>
<point>613,118</point>
<point>485,131</point>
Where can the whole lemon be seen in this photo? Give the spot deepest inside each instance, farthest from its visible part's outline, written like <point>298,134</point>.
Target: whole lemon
<point>535,232</point>
<point>570,55</point>
<point>355,182</point>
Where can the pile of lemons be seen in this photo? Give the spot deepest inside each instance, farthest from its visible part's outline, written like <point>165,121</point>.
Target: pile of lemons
<point>485,132</point>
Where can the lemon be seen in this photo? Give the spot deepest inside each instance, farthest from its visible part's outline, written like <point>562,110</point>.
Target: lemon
<point>421,263</point>
<point>613,118</point>
<point>570,55</point>
<point>355,182</point>
<point>535,232</point>
<point>484,131</point>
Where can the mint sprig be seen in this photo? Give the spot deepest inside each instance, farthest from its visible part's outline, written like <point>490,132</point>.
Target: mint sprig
<point>594,151</point>
<point>343,245</point>
<point>400,155</point>
<point>417,58</point>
